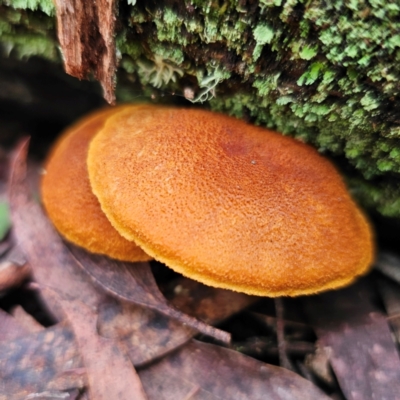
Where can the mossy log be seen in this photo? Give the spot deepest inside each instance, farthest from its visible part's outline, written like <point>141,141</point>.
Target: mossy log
<point>324,72</point>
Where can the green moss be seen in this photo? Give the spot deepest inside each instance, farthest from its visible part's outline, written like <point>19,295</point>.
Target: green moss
<point>128,47</point>
<point>263,34</point>
<point>169,27</point>
<point>311,75</point>
<point>308,52</point>
<point>47,6</point>
<point>25,46</point>
<point>26,34</point>
<point>324,72</point>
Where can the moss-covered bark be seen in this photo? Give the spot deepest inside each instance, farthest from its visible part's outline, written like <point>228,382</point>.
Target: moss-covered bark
<point>325,72</point>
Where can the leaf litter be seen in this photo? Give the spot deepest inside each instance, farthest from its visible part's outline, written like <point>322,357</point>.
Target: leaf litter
<point>100,354</point>
<point>106,322</point>
<point>59,360</point>
<point>135,283</point>
<point>358,341</point>
<point>213,372</point>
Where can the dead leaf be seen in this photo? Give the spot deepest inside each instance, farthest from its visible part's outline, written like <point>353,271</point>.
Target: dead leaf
<point>10,328</point>
<point>26,320</point>
<point>210,304</point>
<point>86,35</point>
<point>134,282</point>
<point>13,269</point>
<point>203,371</point>
<point>110,373</point>
<point>147,335</point>
<point>39,362</point>
<point>52,263</point>
<point>358,341</point>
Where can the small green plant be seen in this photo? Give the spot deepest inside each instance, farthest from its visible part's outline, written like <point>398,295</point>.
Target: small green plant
<point>209,83</point>
<point>158,73</point>
<point>5,221</point>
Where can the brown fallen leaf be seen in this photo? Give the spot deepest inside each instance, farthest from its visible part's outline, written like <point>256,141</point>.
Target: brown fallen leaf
<point>86,35</point>
<point>45,361</point>
<point>358,341</point>
<point>12,274</point>
<point>148,335</point>
<point>51,262</point>
<point>134,282</point>
<point>10,328</point>
<point>203,371</point>
<point>210,304</point>
<point>26,320</point>
<point>110,373</point>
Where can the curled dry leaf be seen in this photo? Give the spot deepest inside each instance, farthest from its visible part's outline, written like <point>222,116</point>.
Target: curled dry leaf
<point>110,374</point>
<point>146,334</point>
<point>358,341</point>
<point>135,283</point>
<point>149,335</point>
<point>203,371</point>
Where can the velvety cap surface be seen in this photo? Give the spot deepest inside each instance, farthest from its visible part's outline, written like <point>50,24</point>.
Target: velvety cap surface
<point>68,198</point>
<point>229,204</point>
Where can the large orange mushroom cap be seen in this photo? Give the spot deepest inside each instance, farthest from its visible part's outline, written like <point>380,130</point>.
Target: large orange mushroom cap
<point>228,204</point>
<point>68,198</point>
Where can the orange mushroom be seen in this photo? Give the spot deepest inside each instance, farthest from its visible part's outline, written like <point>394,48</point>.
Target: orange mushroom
<point>228,204</point>
<point>68,198</point>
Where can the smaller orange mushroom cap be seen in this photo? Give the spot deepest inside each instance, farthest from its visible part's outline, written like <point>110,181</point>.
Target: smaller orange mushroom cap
<point>68,198</point>
<point>229,204</point>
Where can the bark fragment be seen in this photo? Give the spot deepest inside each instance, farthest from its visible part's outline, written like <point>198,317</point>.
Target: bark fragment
<point>86,35</point>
